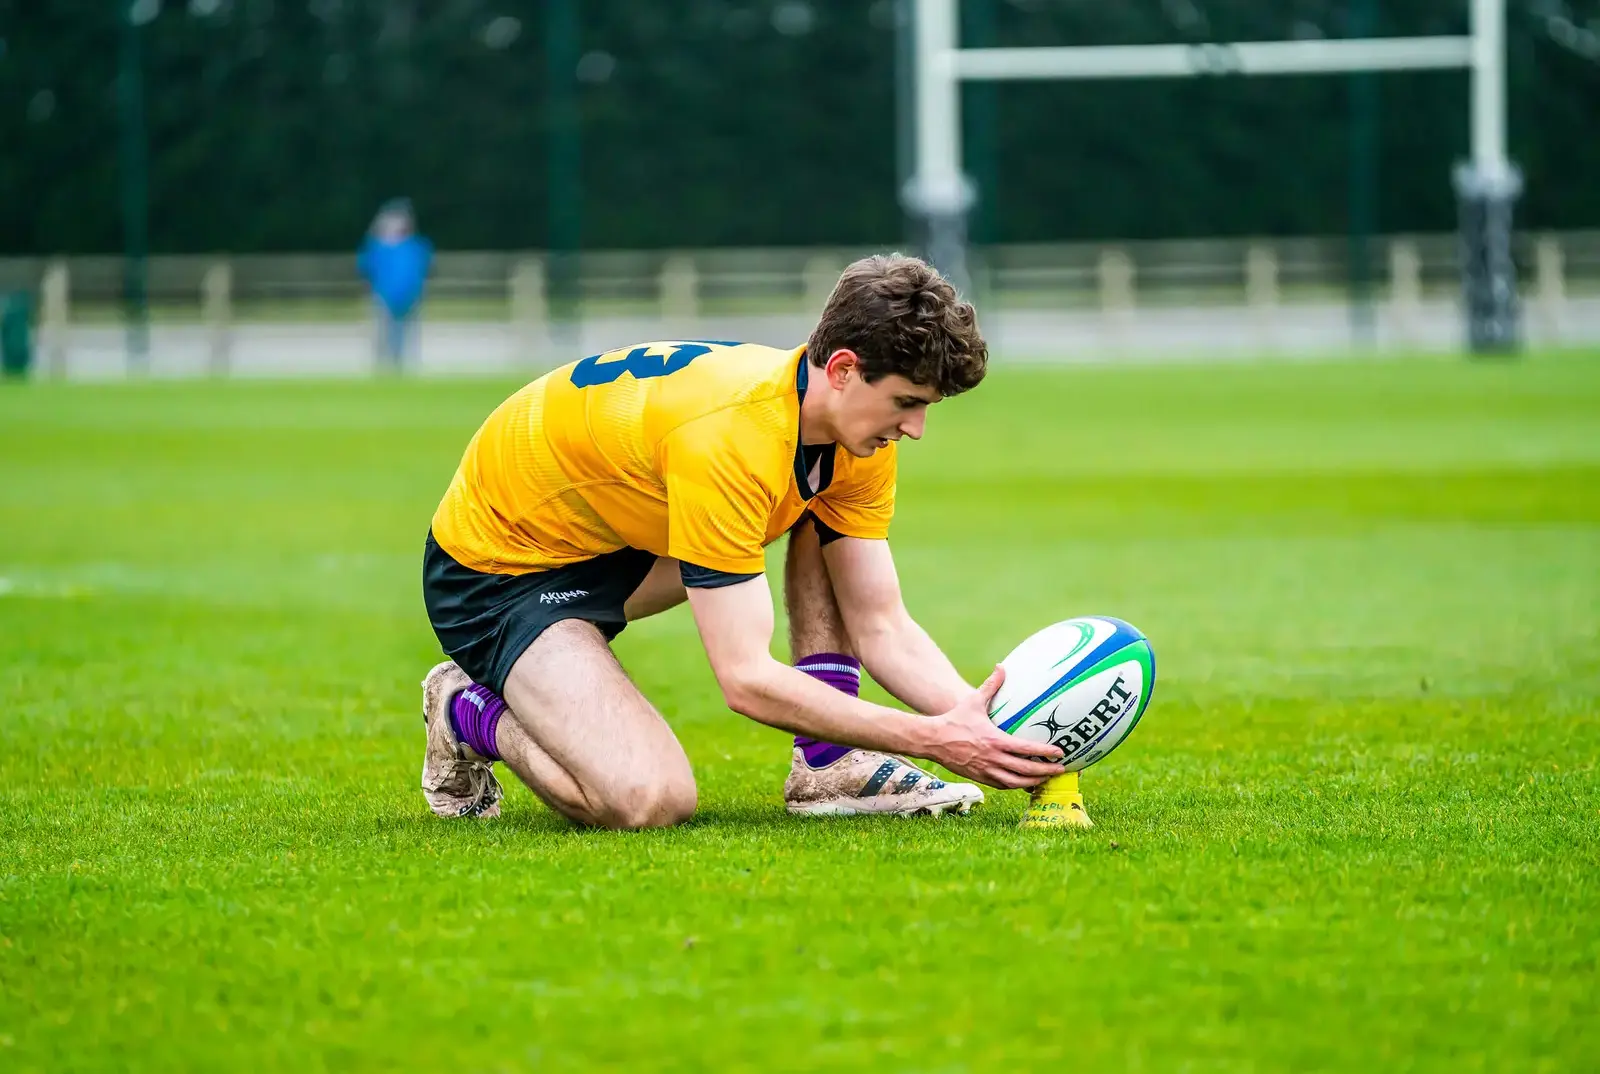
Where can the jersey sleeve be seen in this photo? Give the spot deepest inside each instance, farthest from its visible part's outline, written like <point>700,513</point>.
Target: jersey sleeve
<point>720,493</point>
<point>860,501</point>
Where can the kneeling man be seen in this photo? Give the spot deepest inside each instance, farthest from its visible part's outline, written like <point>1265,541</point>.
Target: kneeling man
<point>628,482</point>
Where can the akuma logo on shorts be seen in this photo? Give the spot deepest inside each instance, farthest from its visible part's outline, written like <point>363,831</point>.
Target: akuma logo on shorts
<point>561,596</point>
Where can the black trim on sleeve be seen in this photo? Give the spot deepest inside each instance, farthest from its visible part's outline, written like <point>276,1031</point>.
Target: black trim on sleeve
<point>706,578</point>
<point>826,534</point>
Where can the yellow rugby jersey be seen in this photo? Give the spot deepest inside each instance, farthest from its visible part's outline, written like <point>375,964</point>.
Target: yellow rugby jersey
<point>684,449</point>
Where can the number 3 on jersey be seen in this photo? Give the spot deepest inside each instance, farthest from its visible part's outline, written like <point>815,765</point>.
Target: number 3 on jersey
<point>642,364</point>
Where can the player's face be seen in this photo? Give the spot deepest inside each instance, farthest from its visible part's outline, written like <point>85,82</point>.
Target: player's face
<point>871,415</point>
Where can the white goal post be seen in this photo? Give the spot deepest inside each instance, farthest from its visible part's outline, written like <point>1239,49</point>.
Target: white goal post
<point>940,193</point>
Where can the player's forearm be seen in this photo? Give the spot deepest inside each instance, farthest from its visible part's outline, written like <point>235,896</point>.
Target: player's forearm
<point>782,697</point>
<point>903,659</point>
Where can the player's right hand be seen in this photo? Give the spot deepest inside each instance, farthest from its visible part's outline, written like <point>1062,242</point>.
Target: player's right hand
<point>965,741</point>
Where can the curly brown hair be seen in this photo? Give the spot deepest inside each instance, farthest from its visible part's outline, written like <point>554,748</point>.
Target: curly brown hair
<point>900,316</point>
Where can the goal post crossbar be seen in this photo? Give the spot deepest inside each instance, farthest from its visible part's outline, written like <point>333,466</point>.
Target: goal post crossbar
<point>942,65</point>
<point>1238,58</point>
<point>940,193</point>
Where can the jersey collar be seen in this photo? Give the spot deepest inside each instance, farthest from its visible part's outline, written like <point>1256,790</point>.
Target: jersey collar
<point>804,459</point>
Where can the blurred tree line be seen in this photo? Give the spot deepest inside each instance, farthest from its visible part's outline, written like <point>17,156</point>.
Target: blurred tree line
<point>281,124</point>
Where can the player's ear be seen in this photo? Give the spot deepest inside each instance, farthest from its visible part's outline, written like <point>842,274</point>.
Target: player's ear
<point>842,365</point>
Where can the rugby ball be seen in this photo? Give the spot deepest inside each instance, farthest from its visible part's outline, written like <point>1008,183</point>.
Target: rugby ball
<point>1082,684</point>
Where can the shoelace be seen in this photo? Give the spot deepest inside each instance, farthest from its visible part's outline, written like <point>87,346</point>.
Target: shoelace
<point>475,772</point>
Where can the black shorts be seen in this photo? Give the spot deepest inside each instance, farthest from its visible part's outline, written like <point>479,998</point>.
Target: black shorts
<point>486,621</point>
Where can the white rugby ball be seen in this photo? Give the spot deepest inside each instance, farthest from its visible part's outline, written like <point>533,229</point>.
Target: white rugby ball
<point>1082,684</point>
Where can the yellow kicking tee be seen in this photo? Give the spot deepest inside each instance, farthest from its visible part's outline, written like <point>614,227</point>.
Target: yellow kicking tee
<point>683,449</point>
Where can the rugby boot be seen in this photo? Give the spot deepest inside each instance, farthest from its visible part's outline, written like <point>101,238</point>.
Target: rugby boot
<point>863,781</point>
<point>456,780</point>
<point>1057,803</point>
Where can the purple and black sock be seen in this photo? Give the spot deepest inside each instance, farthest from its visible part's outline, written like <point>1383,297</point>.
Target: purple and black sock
<point>475,714</point>
<point>842,673</point>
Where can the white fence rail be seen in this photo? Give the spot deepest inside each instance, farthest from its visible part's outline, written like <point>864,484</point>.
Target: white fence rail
<point>1042,301</point>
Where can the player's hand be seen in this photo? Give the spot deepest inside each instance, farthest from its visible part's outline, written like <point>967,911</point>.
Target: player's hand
<point>966,742</point>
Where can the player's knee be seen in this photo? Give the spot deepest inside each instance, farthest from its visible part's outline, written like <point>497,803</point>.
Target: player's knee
<point>657,804</point>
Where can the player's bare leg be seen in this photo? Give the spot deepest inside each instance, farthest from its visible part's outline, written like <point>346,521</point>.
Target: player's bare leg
<point>457,777</point>
<point>467,734</point>
<point>827,779</point>
<point>586,741</point>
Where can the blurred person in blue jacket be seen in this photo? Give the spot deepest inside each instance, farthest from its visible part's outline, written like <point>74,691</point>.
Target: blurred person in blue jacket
<point>395,260</point>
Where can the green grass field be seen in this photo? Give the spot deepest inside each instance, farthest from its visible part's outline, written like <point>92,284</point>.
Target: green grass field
<point>1359,827</point>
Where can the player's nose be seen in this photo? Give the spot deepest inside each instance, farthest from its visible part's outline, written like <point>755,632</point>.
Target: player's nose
<point>913,426</point>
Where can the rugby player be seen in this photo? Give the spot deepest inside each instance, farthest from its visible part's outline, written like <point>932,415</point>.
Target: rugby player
<point>626,483</point>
